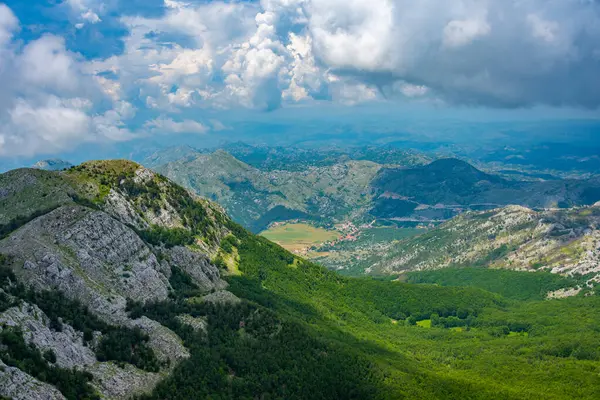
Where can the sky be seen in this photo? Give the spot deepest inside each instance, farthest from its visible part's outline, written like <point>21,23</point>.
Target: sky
<point>76,74</point>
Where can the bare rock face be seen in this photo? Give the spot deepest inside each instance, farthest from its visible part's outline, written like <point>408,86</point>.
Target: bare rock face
<point>17,385</point>
<point>165,343</point>
<point>116,382</point>
<point>111,380</point>
<point>90,257</point>
<point>111,253</point>
<point>118,206</point>
<point>222,297</point>
<point>94,254</point>
<point>197,266</point>
<point>93,258</point>
<point>67,345</point>
<point>199,324</point>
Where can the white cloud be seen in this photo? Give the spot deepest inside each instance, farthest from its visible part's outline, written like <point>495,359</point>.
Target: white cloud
<point>48,103</point>
<point>306,78</point>
<point>267,54</point>
<point>86,11</point>
<point>8,24</point>
<point>218,125</point>
<point>542,29</point>
<point>352,33</point>
<point>91,17</point>
<point>167,125</point>
<point>492,52</point>
<point>51,126</point>
<point>46,63</point>
<point>410,90</point>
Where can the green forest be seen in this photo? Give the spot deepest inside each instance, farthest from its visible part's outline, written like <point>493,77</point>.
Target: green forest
<point>306,332</point>
<point>510,284</point>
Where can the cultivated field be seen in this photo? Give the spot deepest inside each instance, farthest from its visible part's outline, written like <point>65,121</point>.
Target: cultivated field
<point>299,236</point>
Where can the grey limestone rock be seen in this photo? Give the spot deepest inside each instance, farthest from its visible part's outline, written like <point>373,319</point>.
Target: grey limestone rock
<point>198,266</point>
<point>67,345</point>
<point>17,385</point>
<point>223,297</point>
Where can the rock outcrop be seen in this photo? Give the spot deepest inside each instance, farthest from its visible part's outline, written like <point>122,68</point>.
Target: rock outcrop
<point>17,385</point>
<point>84,240</point>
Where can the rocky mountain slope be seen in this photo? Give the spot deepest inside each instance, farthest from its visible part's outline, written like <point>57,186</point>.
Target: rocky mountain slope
<point>256,197</point>
<point>100,234</point>
<point>560,241</point>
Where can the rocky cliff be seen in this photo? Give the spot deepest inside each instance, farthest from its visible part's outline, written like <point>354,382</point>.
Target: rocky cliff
<point>100,235</point>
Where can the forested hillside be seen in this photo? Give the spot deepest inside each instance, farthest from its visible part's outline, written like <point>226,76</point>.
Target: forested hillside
<point>449,186</point>
<point>123,279</point>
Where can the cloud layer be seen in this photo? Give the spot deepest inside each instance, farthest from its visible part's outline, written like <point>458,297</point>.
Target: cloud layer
<point>179,56</point>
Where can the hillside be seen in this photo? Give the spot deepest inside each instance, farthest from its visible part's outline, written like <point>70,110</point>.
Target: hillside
<point>446,187</point>
<point>256,198</point>
<point>561,241</point>
<point>260,185</point>
<point>93,238</point>
<point>117,289</point>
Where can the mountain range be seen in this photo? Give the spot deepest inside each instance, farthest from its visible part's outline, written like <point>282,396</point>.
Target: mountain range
<point>356,187</point>
<point>53,164</point>
<point>116,282</point>
<point>451,185</point>
<point>255,197</point>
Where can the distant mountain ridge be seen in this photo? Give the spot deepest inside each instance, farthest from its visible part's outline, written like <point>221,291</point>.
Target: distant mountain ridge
<point>269,158</point>
<point>53,164</point>
<point>454,185</point>
<point>256,197</point>
<point>337,186</point>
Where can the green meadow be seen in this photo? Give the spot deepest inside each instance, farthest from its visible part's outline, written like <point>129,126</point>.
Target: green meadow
<point>299,236</point>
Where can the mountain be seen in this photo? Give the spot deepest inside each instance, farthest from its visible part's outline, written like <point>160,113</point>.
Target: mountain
<point>170,154</point>
<point>256,198</point>
<point>299,158</point>
<point>446,187</point>
<point>53,164</point>
<point>85,242</point>
<point>116,282</point>
<point>561,241</point>
<point>259,185</point>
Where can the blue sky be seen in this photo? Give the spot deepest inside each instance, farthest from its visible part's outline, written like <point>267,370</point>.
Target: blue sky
<point>102,72</point>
